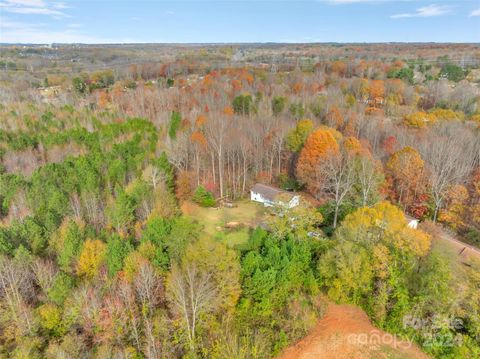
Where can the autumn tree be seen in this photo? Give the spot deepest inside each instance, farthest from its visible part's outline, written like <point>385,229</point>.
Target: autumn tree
<point>374,256</point>
<point>419,119</point>
<point>91,258</point>
<point>297,136</point>
<point>455,212</point>
<point>335,118</point>
<point>319,144</point>
<point>376,89</point>
<point>407,173</point>
<point>474,194</point>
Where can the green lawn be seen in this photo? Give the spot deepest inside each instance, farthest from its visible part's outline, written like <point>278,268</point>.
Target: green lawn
<point>247,213</point>
<point>234,238</point>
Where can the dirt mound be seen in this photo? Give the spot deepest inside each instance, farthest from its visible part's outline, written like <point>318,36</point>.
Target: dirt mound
<point>346,332</point>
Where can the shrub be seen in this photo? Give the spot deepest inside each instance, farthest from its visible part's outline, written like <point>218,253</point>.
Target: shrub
<point>203,197</point>
<point>473,237</point>
<point>278,105</point>
<point>288,183</point>
<point>453,72</point>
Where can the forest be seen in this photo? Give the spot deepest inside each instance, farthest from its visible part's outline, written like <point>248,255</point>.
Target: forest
<point>104,149</point>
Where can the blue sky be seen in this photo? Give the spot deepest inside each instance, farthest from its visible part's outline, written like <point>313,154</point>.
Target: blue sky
<point>112,21</point>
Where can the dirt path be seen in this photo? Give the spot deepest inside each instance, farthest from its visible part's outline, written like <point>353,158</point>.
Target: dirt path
<point>346,332</point>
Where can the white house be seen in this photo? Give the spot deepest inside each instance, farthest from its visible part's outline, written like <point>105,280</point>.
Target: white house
<point>270,196</point>
<point>413,224</point>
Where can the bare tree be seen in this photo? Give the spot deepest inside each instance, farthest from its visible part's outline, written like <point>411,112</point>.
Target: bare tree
<point>191,293</point>
<point>17,290</point>
<point>449,159</point>
<point>336,175</point>
<point>368,177</point>
<point>152,174</point>
<point>148,287</point>
<point>217,129</point>
<point>126,294</point>
<point>44,271</point>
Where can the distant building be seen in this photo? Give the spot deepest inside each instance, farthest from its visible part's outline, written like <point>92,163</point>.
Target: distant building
<point>413,223</point>
<point>271,196</point>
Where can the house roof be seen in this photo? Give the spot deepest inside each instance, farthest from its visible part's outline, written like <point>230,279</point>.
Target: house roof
<point>270,193</point>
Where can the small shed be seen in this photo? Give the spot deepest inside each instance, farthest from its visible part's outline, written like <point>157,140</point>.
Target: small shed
<point>271,196</point>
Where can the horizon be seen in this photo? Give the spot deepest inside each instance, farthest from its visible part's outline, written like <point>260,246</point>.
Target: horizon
<point>240,43</point>
<point>230,21</point>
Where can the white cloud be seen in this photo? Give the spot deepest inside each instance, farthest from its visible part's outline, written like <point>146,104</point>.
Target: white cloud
<point>33,7</point>
<point>426,11</point>
<point>34,11</point>
<point>60,5</point>
<point>475,12</point>
<point>30,3</point>
<point>38,33</point>
<point>8,24</point>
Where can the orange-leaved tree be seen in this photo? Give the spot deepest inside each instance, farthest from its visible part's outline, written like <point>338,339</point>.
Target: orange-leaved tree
<point>407,175</point>
<point>319,145</point>
<point>454,212</point>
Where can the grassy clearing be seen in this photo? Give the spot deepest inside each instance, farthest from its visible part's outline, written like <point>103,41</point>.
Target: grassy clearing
<point>234,238</point>
<point>246,213</point>
<point>450,251</point>
<point>458,260</point>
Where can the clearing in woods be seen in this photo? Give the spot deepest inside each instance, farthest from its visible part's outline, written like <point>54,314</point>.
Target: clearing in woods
<point>229,224</point>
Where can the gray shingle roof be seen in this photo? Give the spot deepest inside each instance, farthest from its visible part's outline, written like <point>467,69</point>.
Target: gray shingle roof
<point>268,192</point>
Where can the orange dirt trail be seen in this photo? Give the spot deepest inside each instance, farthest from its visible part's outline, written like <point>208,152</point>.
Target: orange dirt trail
<point>346,332</point>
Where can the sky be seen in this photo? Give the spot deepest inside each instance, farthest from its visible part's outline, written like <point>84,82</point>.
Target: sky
<point>201,21</point>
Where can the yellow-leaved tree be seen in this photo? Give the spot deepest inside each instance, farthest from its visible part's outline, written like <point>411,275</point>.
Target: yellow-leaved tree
<point>384,224</point>
<point>374,254</point>
<point>91,258</point>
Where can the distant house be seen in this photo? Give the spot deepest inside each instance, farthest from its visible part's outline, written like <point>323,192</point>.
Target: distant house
<point>413,224</point>
<point>271,196</point>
